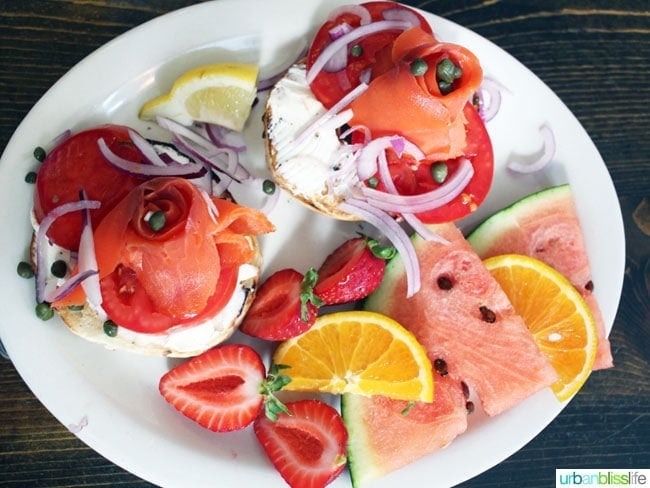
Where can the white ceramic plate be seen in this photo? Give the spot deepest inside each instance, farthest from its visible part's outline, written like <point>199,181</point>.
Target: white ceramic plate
<point>113,396</point>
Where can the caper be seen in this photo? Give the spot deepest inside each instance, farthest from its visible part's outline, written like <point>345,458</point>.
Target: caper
<point>39,153</point>
<point>44,311</point>
<point>268,187</point>
<point>110,328</point>
<point>30,177</point>
<point>157,220</point>
<point>446,73</point>
<point>59,268</point>
<point>356,51</point>
<point>418,67</point>
<point>373,182</point>
<point>439,172</point>
<point>25,269</point>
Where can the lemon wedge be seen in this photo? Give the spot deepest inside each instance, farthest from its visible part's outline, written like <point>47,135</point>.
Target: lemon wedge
<point>220,94</point>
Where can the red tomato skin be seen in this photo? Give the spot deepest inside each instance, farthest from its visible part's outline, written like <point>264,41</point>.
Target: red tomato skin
<point>126,303</point>
<point>329,88</point>
<point>77,164</point>
<point>478,150</point>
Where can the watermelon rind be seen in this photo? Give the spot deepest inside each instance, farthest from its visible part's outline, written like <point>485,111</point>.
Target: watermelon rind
<point>361,464</point>
<point>483,237</point>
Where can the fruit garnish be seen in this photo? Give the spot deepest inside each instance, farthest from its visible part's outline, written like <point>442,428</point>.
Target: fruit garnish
<point>554,312</point>
<point>221,94</point>
<point>357,352</point>
<point>352,271</point>
<point>284,307</point>
<point>225,388</point>
<point>307,444</point>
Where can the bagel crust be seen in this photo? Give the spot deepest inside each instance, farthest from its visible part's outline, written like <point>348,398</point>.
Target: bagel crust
<point>304,173</point>
<point>179,341</point>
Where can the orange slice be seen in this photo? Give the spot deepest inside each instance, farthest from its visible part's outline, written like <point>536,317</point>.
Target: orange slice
<point>357,352</point>
<point>554,312</point>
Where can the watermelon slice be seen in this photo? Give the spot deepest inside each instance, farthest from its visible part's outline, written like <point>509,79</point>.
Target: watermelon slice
<point>545,226</point>
<point>462,316</point>
<point>385,435</point>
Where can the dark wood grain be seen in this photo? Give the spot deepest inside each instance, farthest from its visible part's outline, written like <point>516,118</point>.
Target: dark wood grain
<point>594,54</point>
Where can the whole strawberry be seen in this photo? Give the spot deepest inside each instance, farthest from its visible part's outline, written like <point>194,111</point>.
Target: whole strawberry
<point>307,445</point>
<point>224,389</point>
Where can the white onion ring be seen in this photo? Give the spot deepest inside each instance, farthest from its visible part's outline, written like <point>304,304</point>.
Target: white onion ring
<point>385,223</point>
<point>548,152</point>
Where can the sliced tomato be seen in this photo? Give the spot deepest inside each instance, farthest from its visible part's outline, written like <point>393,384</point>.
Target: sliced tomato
<point>478,150</point>
<point>330,87</point>
<point>77,164</point>
<point>128,305</point>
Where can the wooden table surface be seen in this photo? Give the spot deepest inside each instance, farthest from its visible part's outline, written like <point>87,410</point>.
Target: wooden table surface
<point>594,54</point>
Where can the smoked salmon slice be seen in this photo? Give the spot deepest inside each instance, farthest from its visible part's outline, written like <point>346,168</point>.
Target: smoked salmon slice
<point>398,101</point>
<point>179,265</point>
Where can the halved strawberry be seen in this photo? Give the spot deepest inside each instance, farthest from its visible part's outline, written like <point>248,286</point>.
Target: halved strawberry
<point>352,272</point>
<point>224,388</point>
<point>306,446</point>
<point>284,307</point>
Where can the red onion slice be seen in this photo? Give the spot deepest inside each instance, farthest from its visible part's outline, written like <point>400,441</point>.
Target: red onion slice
<point>385,223</point>
<point>424,201</point>
<point>548,152</point>
<point>339,59</point>
<point>333,48</point>
<point>149,170</point>
<point>372,153</point>
<point>61,137</point>
<point>490,89</point>
<point>357,128</point>
<point>325,118</point>
<point>87,260</point>
<point>223,137</point>
<point>42,240</point>
<point>66,288</point>
<point>205,150</point>
<point>146,148</point>
<point>403,14</point>
<point>415,223</point>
